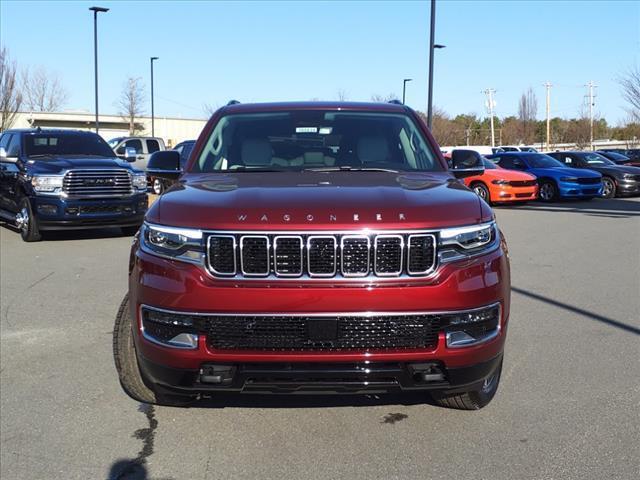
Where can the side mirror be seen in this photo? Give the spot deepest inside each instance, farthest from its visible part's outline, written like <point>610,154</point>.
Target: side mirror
<point>3,153</point>
<point>466,163</point>
<point>164,164</point>
<point>130,154</point>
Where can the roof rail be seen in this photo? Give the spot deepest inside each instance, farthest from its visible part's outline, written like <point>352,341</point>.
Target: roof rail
<point>396,102</point>
<point>233,102</point>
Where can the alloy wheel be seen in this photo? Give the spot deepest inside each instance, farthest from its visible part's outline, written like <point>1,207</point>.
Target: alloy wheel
<point>546,191</point>
<point>480,191</point>
<point>22,220</point>
<point>607,188</point>
<point>157,186</point>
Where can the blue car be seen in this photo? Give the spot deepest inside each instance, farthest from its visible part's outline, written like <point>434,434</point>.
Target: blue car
<point>555,180</point>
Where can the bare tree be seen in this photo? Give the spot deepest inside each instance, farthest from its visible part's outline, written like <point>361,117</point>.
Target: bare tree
<point>383,98</point>
<point>527,111</point>
<point>131,102</point>
<point>342,95</point>
<point>43,91</point>
<point>630,83</point>
<point>10,95</point>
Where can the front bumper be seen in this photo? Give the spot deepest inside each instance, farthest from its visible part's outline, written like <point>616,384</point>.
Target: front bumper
<point>628,187</point>
<point>304,378</point>
<point>178,286</point>
<point>56,213</point>
<point>576,190</point>
<point>514,194</point>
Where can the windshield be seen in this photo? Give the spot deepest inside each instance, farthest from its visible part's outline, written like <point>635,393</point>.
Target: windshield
<point>615,156</point>
<point>488,164</point>
<point>316,140</point>
<point>540,160</point>
<point>56,144</point>
<point>596,159</point>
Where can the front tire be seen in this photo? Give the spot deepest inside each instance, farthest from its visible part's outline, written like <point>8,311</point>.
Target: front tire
<point>124,355</point>
<point>474,399</point>
<point>482,191</point>
<point>27,222</point>
<point>548,191</point>
<point>608,187</point>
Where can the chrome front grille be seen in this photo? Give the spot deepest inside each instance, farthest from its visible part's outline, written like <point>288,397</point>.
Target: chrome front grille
<point>97,183</point>
<point>347,255</point>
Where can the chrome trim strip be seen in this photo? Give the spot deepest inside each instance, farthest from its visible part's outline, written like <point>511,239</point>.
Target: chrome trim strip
<point>235,260</point>
<point>355,237</point>
<point>335,257</point>
<point>325,314</point>
<point>266,273</point>
<point>275,255</point>
<point>434,249</point>
<point>375,256</point>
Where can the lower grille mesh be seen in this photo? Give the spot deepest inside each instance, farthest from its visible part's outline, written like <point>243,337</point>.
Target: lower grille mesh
<point>320,333</point>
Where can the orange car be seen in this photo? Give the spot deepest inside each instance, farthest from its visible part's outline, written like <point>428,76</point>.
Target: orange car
<point>499,185</point>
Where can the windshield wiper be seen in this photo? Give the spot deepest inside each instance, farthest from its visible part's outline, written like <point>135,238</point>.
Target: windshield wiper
<point>346,168</point>
<point>245,168</point>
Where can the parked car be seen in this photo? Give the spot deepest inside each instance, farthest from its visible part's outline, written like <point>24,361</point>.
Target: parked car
<point>499,185</point>
<point>143,146</point>
<point>159,184</point>
<point>617,180</point>
<point>512,148</point>
<point>632,154</point>
<point>617,158</point>
<point>315,247</point>
<point>67,179</point>
<point>555,180</point>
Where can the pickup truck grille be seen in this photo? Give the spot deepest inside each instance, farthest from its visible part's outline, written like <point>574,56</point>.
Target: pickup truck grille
<point>97,183</point>
<point>383,254</point>
<point>240,332</point>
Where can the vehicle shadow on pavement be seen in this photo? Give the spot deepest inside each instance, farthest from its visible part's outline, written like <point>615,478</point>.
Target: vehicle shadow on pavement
<point>256,400</point>
<point>613,207</point>
<point>66,235</point>
<point>129,469</point>
<point>580,311</point>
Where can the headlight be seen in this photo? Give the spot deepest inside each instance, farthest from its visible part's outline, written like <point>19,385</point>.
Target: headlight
<point>569,179</point>
<point>42,183</point>
<point>170,242</point>
<point>140,181</point>
<point>462,242</point>
<point>500,182</point>
<point>629,176</point>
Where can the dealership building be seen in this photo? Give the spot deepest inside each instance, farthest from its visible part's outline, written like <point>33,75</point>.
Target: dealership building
<point>172,130</point>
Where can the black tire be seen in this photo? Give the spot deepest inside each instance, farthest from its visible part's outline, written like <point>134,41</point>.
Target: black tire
<point>475,399</point>
<point>158,186</point>
<point>129,231</point>
<point>482,191</point>
<point>548,191</point>
<point>608,187</point>
<point>124,355</point>
<point>27,222</point>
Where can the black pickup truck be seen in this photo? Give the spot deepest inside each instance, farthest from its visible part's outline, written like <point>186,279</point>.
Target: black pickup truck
<point>67,179</point>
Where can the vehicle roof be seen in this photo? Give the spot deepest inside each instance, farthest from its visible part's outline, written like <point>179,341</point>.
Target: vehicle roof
<point>48,130</point>
<point>325,105</point>
<point>516,154</point>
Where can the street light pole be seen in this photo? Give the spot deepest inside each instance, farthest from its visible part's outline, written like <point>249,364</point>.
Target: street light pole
<point>153,131</point>
<point>404,88</point>
<point>432,47</point>
<point>95,11</point>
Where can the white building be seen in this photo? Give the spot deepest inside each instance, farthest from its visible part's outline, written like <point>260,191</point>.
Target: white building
<point>171,130</point>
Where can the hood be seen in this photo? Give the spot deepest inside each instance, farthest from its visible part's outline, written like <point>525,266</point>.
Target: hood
<point>59,164</point>
<point>564,172</point>
<point>620,169</point>
<point>504,174</point>
<point>317,201</point>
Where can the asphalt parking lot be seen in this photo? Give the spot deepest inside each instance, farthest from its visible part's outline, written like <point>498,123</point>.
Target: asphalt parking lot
<point>568,405</point>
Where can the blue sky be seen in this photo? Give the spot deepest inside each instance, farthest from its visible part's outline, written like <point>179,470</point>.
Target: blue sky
<point>211,52</point>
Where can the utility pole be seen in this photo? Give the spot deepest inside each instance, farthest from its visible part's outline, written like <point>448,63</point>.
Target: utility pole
<point>490,105</point>
<point>153,130</point>
<point>592,97</point>
<point>548,87</point>
<point>95,11</point>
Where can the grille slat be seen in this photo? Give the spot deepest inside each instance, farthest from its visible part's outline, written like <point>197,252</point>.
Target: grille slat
<point>589,181</point>
<point>296,333</point>
<point>324,256</point>
<point>97,183</point>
